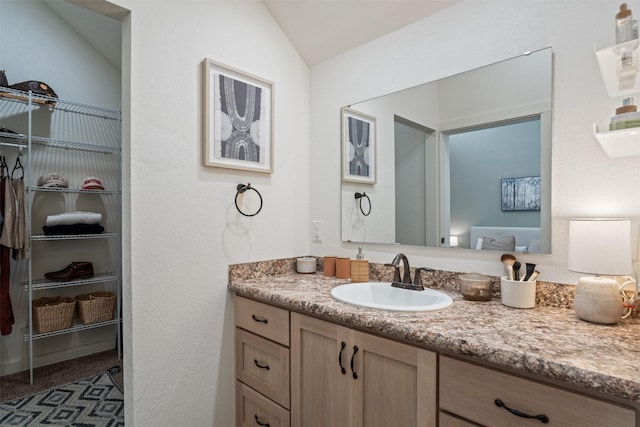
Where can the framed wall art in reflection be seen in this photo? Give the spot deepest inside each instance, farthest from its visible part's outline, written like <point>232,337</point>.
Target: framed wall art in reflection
<point>358,147</point>
<point>521,194</point>
<point>238,119</point>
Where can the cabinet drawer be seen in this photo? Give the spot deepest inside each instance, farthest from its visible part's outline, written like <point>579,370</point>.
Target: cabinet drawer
<point>470,391</point>
<point>447,420</point>
<point>263,319</point>
<point>263,365</point>
<point>253,409</point>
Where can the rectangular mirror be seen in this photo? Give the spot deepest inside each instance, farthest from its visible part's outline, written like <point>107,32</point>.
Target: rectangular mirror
<point>462,162</point>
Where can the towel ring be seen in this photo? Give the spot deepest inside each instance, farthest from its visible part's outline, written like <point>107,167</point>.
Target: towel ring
<point>359,197</point>
<point>243,188</point>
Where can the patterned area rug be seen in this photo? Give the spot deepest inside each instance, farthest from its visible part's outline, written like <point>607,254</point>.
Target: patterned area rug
<point>92,402</point>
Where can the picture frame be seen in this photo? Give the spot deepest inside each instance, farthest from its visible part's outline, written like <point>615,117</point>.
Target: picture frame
<point>234,136</point>
<point>520,194</point>
<point>358,136</point>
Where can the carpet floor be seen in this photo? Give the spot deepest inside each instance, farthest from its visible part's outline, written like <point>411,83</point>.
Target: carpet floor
<point>90,402</point>
<point>47,377</point>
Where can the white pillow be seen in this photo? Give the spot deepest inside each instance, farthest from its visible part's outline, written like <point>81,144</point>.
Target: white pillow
<point>479,243</point>
<point>507,243</point>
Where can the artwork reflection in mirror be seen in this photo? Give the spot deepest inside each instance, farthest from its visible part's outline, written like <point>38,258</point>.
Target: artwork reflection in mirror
<point>358,147</point>
<point>444,149</point>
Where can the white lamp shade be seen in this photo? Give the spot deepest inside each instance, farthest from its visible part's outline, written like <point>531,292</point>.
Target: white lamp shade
<point>600,246</point>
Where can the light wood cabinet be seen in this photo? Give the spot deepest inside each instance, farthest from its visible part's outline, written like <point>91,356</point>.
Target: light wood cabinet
<point>262,364</point>
<point>471,391</point>
<point>343,377</point>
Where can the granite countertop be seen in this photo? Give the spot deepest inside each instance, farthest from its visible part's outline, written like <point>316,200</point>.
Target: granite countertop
<point>544,341</point>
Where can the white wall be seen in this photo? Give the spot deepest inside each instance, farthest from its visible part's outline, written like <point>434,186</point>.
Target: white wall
<point>468,35</point>
<point>185,230</point>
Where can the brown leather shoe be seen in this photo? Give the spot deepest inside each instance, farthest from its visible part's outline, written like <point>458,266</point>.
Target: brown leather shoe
<point>74,271</point>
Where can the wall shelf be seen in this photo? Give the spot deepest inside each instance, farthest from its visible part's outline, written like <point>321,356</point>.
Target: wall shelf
<point>619,143</point>
<point>610,61</point>
<point>623,142</point>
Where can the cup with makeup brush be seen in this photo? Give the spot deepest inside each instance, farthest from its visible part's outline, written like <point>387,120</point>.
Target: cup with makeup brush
<point>518,293</point>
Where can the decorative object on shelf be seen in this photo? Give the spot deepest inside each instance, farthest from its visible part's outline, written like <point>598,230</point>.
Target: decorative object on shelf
<point>358,146</point>
<point>52,314</point>
<point>246,202</point>
<point>95,307</point>
<point>53,180</point>
<point>601,246</point>
<point>359,197</point>
<point>627,116</point>
<point>521,194</point>
<point>238,119</point>
<point>73,271</point>
<point>92,183</point>
<point>36,87</point>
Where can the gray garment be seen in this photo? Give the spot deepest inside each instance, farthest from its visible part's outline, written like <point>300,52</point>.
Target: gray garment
<point>22,241</point>
<point>7,238</point>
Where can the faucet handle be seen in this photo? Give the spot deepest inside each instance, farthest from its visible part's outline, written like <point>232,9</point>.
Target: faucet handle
<point>396,273</point>
<point>417,279</point>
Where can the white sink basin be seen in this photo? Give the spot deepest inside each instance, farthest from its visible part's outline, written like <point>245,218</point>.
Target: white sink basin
<point>383,296</point>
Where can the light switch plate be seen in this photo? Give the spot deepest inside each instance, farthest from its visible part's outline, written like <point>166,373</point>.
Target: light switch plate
<point>316,230</point>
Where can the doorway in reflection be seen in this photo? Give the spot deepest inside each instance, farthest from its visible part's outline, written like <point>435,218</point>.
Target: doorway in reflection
<point>478,160</point>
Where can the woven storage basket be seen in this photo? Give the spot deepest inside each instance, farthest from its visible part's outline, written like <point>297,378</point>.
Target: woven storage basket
<point>96,307</point>
<point>52,314</point>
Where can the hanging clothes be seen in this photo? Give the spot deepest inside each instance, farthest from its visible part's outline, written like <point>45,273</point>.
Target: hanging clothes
<point>21,240</point>
<point>6,310</point>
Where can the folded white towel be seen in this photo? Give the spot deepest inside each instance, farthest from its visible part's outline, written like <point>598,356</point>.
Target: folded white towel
<point>69,218</point>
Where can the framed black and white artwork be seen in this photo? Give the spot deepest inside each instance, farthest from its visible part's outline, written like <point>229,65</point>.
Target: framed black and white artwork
<point>521,194</point>
<point>238,119</point>
<point>358,147</point>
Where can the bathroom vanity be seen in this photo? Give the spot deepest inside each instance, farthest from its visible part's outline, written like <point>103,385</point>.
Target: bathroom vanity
<point>305,359</point>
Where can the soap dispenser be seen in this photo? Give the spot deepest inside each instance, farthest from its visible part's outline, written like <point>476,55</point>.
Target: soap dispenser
<point>359,268</point>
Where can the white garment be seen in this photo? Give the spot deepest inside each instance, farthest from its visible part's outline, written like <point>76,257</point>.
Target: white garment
<point>70,218</point>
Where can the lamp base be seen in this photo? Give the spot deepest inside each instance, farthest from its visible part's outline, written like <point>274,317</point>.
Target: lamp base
<point>598,300</point>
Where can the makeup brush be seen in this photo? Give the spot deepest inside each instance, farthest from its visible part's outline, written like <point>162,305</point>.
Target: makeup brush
<point>530,269</point>
<point>516,270</point>
<point>508,260</point>
<point>534,276</point>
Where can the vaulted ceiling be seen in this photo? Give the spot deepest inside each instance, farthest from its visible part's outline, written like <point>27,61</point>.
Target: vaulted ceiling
<point>318,29</point>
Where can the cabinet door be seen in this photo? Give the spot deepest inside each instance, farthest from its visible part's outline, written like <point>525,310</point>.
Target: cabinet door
<point>318,386</point>
<point>395,385</point>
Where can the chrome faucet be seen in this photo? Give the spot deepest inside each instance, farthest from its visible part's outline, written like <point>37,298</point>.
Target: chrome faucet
<point>406,283</point>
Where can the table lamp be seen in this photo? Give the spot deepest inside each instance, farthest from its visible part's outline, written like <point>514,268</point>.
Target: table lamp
<point>599,246</point>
